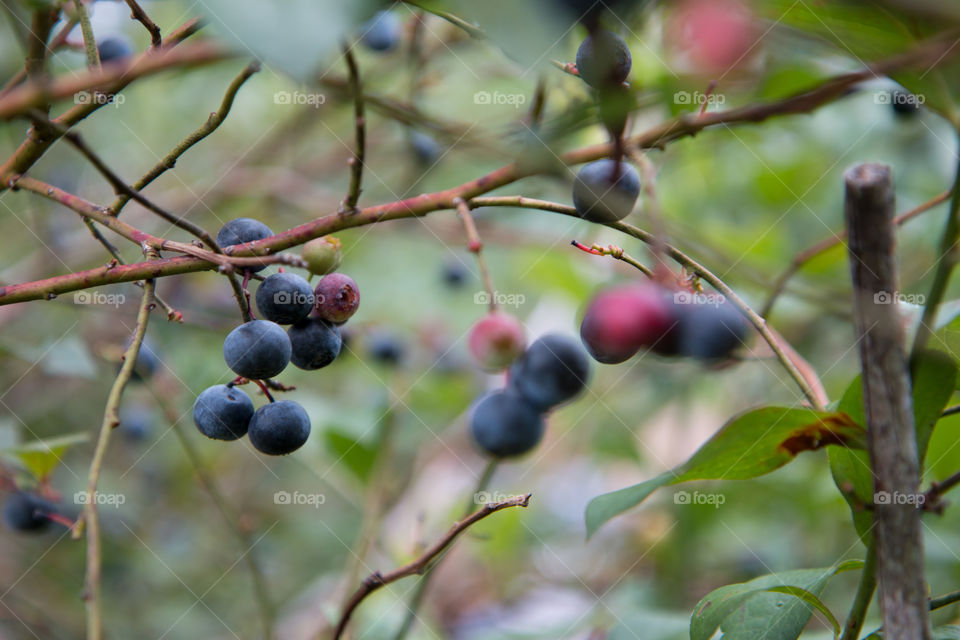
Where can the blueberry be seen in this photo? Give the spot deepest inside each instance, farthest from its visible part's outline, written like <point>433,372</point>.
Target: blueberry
<point>710,331</point>
<point>603,59</point>
<point>285,298</point>
<point>385,347</point>
<point>621,321</point>
<point>223,412</point>
<point>554,369</point>
<point>147,361</point>
<point>503,423</point>
<point>496,340</point>
<point>315,342</point>
<point>904,103</point>
<point>598,198</point>
<point>336,297</point>
<point>257,350</point>
<point>323,255</point>
<point>27,512</point>
<point>381,32</point>
<point>454,274</point>
<point>279,428</point>
<point>424,147</point>
<point>136,421</point>
<point>114,48</point>
<point>241,231</point>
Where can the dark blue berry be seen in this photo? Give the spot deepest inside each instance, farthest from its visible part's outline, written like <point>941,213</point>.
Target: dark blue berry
<point>425,148</point>
<point>710,331</point>
<point>454,274</point>
<point>554,369</point>
<point>114,48</point>
<point>503,423</point>
<point>257,350</point>
<point>241,231</point>
<point>381,32</point>
<point>223,412</point>
<point>279,428</point>
<point>27,512</point>
<point>598,198</point>
<point>136,421</point>
<point>285,298</point>
<point>603,59</point>
<point>315,342</point>
<point>385,347</point>
<point>904,103</point>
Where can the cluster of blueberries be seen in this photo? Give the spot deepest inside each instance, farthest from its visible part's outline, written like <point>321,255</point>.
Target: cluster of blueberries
<point>509,421</point>
<point>621,321</point>
<point>261,349</point>
<point>28,512</point>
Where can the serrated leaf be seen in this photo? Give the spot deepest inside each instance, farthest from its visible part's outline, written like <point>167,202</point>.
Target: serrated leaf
<point>41,457</point>
<point>749,445</point>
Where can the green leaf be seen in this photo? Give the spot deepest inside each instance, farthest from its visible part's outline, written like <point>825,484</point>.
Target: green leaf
<point>355,455</point>
<point>41,457</point>
<point>813,601</point>
<point>934,379</point>
<point>757,608</point>
<point>750,445</point>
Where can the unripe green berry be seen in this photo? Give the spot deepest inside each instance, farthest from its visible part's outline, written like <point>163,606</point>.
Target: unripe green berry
<point>322,255</point>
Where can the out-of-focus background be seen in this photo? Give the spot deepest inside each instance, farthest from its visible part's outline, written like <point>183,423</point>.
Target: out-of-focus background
<point>743,200</point>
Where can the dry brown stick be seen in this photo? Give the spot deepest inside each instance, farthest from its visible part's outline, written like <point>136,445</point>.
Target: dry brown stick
<point>891,435</point>
<point>137,13</point>
<point>377,580</point>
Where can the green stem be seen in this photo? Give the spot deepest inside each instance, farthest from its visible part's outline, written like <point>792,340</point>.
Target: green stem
<point>421,591</point>
<point>89,42</point>
<point>861,602</point>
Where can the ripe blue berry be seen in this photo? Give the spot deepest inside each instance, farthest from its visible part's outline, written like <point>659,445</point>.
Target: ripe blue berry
<point>425,148</point>
<point>603,59</point>
<point>114,48</point>
<point>381,32</point>
<point>285,298</point>
<point>257,350</point>
<point>223,412</point>
<point>147,361</point>
<point>454,274</point>
<point>554,369</point>
<point>27,512</point>
<point>241,231</point>
<point>503,423</point>
<point>315,343</point>
<point>598,198</point>
<point>136,421</point>
<point>385,348</point>
<point>904,103</point>
<point>279,428</point>
<point>710,331</point>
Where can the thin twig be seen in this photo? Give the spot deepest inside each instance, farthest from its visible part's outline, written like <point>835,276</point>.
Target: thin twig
<point>944,600</point>
<point>614,252</point>
<point>472,30</point>
<point>138,14</point>
<point>91,522</point>
<point>861,601</point>
<point>932,497</point>
<point>475,246</point>
<point>360,133</point>
<point>89,41</point>
<point>376,580</point>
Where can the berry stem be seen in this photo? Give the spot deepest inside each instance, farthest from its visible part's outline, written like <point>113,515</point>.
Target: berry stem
<point>475,246</point>
<point>263,387</point>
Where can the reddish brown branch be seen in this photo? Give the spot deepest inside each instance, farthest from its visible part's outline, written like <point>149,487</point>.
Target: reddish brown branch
<point>376,580</point>
<point>137,13</point>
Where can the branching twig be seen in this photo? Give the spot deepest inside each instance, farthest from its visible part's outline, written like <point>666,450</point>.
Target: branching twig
<point>614,252</point>
<point>475,246</point>
<point>111,419</point>
<point>472,31</point>
<point>360,133</point>
<point>138,14</point>
<point>932,497</point>
<point>376,580</point>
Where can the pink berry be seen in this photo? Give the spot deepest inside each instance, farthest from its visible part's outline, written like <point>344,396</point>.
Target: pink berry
<point>496,340</point>
<point>336,297</point>
<point>621,321</point>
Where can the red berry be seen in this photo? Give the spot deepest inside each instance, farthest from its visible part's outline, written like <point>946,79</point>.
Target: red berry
<point>621,321</point>
<point>496,340</point>
<point>337,297</point>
